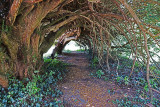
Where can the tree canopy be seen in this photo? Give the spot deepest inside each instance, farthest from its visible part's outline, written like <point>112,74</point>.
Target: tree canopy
<point>107,27</point>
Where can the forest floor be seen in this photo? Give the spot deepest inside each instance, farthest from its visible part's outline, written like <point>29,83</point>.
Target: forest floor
<point>80,89</point>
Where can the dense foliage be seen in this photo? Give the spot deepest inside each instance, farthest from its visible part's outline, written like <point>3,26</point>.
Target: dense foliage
<point>41,90</point>
<point>109,28</point>
<point>137,83</point>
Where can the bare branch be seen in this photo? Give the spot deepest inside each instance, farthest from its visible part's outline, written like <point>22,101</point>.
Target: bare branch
<point>56,27</point>
<point>145,39</point>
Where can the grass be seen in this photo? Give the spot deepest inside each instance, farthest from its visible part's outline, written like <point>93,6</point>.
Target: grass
<point>40,91</point>
<point>67,51</point>
<point>81,50</point>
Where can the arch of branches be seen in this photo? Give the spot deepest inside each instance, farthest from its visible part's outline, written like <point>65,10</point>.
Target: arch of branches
<point>30,27</point>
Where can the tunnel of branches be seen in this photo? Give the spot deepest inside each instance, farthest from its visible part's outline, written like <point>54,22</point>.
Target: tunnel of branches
<point>107,27</point>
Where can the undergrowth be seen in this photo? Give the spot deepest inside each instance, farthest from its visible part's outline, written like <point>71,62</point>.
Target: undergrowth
<point>40,91</point>
<point>137,82</point>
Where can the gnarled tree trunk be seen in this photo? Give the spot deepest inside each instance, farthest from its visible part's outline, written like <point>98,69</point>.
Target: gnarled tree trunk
<point>21,43</point>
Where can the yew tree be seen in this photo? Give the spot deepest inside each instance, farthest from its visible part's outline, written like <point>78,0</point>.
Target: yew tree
<point>30,27</point>
<point>21,37</point>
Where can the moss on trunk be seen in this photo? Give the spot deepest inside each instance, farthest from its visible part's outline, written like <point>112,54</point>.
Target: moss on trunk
<point>21,54</point>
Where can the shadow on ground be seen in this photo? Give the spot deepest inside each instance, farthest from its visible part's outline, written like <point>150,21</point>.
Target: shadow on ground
<point>81,90</point>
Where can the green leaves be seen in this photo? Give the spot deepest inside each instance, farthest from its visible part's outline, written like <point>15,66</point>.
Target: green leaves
<point>34,92</point>
<point>32,88</point>
<point>95,62</point>
<point>146,87</point>
<point>99,73</point>
<point>126,80</point>
<point>36,71</point>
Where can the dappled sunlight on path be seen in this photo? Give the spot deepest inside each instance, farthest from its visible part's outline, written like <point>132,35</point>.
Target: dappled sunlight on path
<point>81,90</point>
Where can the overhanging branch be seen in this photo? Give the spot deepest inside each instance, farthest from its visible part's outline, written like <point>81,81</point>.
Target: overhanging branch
<point>70,19</point>
<point>49,40</point>
<point>56,27</point>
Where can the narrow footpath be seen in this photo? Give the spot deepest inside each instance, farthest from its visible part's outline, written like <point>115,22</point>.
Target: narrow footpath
<point>82,90</point>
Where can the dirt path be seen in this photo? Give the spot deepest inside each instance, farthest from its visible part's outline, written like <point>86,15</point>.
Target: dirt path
<point>81,90</point>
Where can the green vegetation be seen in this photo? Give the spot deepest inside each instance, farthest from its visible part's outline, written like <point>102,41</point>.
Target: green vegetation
<point>68,51</point>
<point>137,82</point>
<point>99,73</point>
<point>109,28</point>
<point>41,90</point>
<point>94,62</point>
<point>80,50</point>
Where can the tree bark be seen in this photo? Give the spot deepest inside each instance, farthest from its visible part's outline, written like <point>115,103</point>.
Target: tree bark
<point>21,44</point>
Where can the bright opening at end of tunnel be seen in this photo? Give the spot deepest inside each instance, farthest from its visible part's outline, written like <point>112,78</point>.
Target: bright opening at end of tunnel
<point>71,46</point>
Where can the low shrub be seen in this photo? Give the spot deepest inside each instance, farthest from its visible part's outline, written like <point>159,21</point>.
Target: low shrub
<point>40,91</point>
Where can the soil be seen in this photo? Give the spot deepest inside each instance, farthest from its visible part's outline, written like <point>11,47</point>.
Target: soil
<point>82,90</point>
